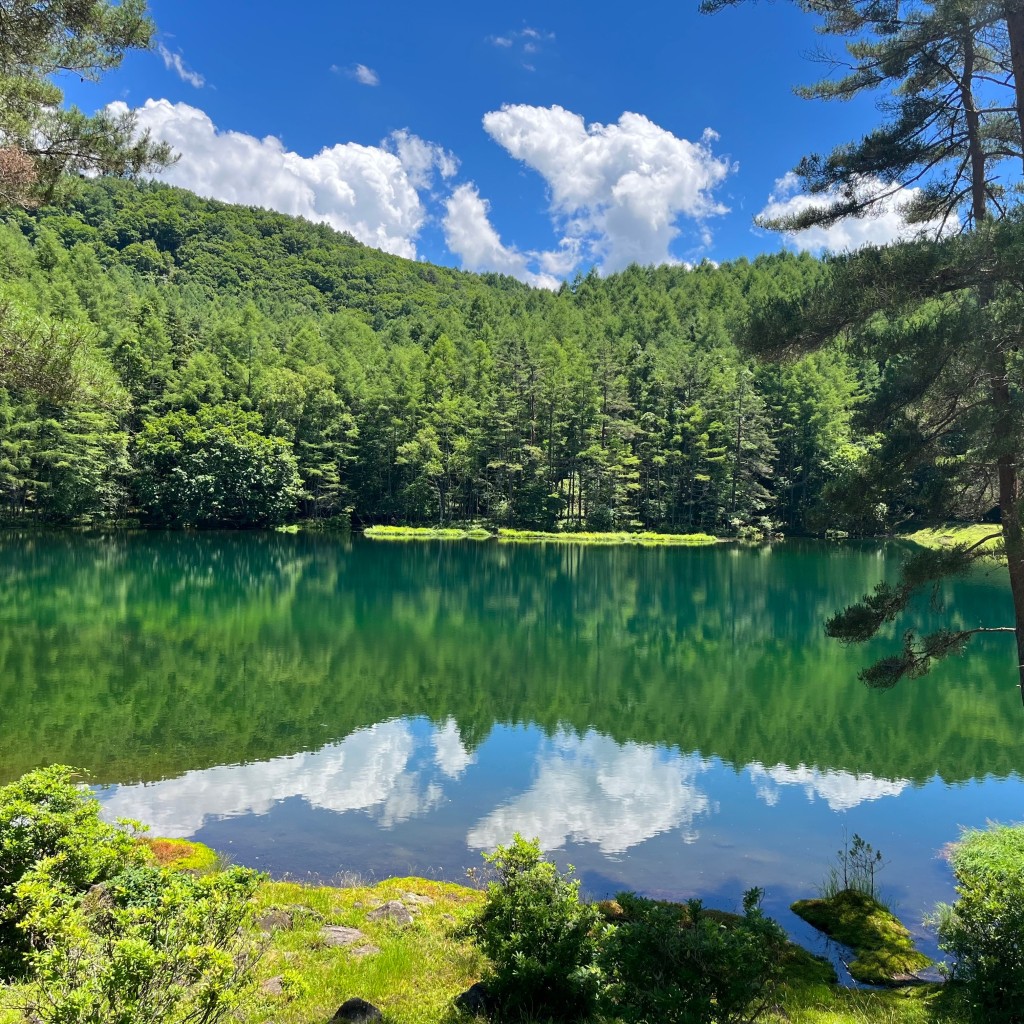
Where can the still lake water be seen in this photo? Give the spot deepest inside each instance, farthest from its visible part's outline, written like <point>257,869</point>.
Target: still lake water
<point>669,720</point>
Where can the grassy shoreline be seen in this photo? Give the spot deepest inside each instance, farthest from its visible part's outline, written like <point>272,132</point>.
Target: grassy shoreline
<point>325,944</point>
<point>947,534</point>
<point>508,536</point>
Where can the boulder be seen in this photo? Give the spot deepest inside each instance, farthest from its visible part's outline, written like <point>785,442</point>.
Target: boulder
<point>336,935</point>
<point>394,911</point>
<point>273,986</point>
<point>356,1011</point>
<point>276,921</point>
<point>475,1000</point>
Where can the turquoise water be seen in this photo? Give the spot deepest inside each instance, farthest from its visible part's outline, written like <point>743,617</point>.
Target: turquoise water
<point>671,720</point>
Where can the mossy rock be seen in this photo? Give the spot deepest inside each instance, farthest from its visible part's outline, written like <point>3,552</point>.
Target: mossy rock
<point>884,951</point>
<point>181,854</point>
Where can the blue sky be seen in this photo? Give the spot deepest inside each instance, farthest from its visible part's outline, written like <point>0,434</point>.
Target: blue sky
<point>531,139</point>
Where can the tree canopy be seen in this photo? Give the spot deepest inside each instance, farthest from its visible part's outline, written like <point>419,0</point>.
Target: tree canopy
<point>41,141</point>
<point>939,316</point>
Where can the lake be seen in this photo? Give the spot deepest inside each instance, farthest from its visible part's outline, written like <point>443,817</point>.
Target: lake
<point>671,721</point>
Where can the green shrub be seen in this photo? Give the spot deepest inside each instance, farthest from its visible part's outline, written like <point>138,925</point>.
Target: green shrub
<point>984,928</point>
<point>46,816</point>
<point>682,965</point>
<point>541,940</point>
<point>151,946</point>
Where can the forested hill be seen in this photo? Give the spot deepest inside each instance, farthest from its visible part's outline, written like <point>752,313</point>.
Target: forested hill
<point>188,362</point>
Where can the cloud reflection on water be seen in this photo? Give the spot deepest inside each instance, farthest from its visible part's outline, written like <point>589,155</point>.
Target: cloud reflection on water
<point>592,789</point>
<point>371,770</point>
<point>841,790</point>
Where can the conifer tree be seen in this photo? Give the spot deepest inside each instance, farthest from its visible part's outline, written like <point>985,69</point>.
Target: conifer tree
<point>940,316</point>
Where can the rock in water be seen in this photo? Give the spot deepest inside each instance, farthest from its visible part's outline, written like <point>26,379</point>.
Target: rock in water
<point>356,1011</point>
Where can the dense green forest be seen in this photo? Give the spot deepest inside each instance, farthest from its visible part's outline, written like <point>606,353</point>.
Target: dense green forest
<point>186,362</point>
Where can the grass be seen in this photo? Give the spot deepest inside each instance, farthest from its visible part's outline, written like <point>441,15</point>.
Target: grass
<point>645,539</point>
<point>884,951</point>
<point>413,978</point>
<point>952,533</point>
<point>426,533</point>
<point>419,969</point>
<point>537,536</point>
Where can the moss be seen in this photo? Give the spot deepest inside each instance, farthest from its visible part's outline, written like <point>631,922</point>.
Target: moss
<point>181,854</point>
<point>884,951</point>
<point>414,974</point>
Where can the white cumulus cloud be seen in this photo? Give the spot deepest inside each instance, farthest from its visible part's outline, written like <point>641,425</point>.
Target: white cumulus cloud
<point>364,75</point>
<point>176,62</point>
<point>841,790</point>
<point>421,158</point>
<point>592,789</point>
<point>369,191</point>
<point>470,235</point>
<point>618,190</point>
<point>884,225</point>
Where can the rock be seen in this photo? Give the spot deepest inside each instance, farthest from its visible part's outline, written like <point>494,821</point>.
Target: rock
<point>366,949</point>
<point>926,976</point>
<point>356,1011</point>
<point>273,986</point>
<point>276,921</point>
<point>417,899</point>
<point>393,911</point>
<point>335,935</point>
<point>884,949</point>
<point>475,1000</point>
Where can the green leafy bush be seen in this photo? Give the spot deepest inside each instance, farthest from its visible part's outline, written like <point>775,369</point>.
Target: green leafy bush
<point>45,815</point>
<point>683,965</point>
<point>541,940</point>
<point>151,946</point>
<point>984,928</point>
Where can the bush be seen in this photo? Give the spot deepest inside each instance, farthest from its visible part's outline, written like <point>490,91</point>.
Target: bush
<point>984,928</point>
<point>541,940</point>
<point>151,946</point>
<point>46,816</point>
<point>683,965</point>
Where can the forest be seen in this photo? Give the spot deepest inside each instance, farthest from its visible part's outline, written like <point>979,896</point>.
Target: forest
<point>178,362</point>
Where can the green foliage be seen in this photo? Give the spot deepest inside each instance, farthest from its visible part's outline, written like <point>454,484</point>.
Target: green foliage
<point>682,965</point>
<point>856,869</point>
<point>150,946</point>
<point>984,929</point>
<point>47,816</point>
<point>541,940</point>
<point>42,141</point>
<point>213,469</point>
<point>862,621</point>
<point>421,395</point>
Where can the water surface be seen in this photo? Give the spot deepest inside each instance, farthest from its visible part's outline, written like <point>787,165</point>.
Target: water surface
<point>669,720</point>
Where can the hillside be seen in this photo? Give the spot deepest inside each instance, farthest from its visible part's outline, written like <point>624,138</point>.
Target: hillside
<point>188,362</point>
